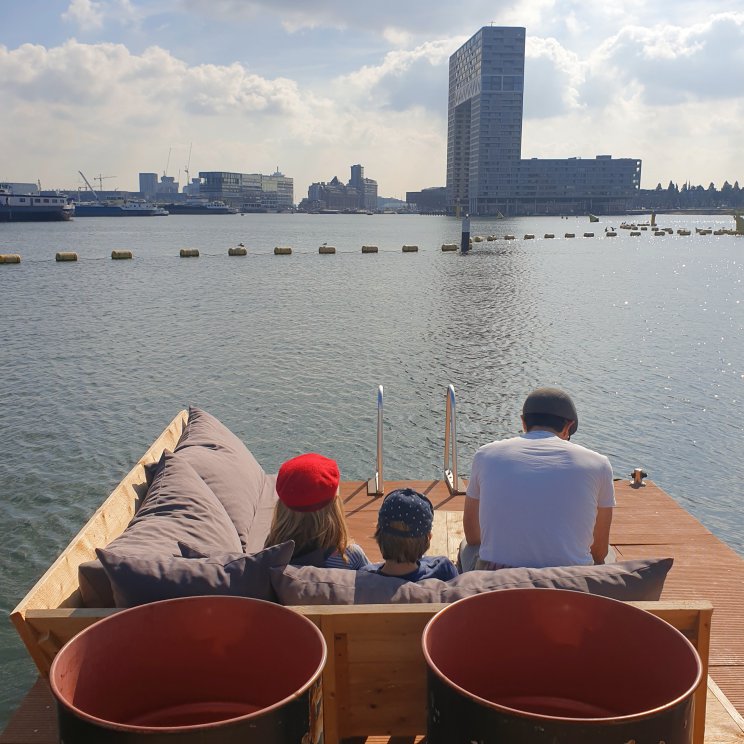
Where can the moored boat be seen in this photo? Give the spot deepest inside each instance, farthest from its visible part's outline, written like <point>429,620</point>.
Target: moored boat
<point>44,206</point>
<point>118,208</point>
<point>197,206</point>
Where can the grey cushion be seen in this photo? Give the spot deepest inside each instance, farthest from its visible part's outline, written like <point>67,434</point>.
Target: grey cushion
<point>626,580</point>
<point>138,580</point>
<point>178,506</point>
<point>232,473</point>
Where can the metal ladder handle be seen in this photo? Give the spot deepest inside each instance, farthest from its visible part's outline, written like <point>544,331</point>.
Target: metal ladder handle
<point>451,477</point>
<point>376,485</point>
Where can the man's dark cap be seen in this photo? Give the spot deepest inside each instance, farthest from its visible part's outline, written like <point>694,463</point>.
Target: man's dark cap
<point>552,401</point>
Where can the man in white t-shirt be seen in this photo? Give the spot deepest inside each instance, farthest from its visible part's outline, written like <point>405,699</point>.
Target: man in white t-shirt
<point>538,499</point>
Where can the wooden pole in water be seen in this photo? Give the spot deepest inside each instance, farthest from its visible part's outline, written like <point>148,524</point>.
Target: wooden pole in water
<point>465,238</point>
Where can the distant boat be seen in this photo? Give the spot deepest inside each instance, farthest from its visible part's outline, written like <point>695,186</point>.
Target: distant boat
<point>498,215</point>
<point>118,208</point>
<point>253,209</point>
<point>200,206</point>
<point>593,218</point>
<point>42,207</point>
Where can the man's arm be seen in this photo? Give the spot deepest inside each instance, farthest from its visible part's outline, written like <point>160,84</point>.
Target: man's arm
<point>601,545</point>
<point>471,521</point>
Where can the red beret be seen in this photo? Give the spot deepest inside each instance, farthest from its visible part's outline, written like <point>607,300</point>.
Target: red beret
<point>307,482</point>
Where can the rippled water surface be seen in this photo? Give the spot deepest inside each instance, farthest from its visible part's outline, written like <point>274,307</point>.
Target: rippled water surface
<point>98,356</point>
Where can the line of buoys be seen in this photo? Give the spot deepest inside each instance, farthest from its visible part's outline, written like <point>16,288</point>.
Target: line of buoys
<point>189,253</point>
<point>410,249</point>
<point>549,235</point>
<point>239,250</point>
<point>369,249</point>
<point>326,250</point>
<point>588,235</point>
<point>10,258</point>
<point>66,256</point>
<point>121,255</point>
<point>570,235</point>
<point>282,250</point>
<point>529,236</point>
<point>450,246</point>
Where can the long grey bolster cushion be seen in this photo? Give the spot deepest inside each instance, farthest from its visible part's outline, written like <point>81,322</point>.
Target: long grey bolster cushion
<point>627,580</point>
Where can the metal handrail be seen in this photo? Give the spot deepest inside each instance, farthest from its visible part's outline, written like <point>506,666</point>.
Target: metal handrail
<point>376,485</point>
<point>451,478</point>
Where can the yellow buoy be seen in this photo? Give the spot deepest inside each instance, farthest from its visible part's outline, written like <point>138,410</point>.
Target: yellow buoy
<point>478,238</point>
<point>369,249</point>
<point>610,234</point>
<point>549,235</point>
<point>121,255</point>
<point>588,235</point>
<point>237,251</point>
<point>508,237</point>
<point>189,253</point>
<point>66,256</point>
<point>282,250</point>
<point>449,246</point>
<point>326,249</point>
<point>635,233</point>
<point>659,232</point>
<point>529,236</point>
<point>410,248</point>
<point>10,258</point>
<point>570,235</point>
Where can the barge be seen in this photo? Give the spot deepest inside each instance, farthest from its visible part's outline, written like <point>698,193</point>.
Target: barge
<point>374,684</point>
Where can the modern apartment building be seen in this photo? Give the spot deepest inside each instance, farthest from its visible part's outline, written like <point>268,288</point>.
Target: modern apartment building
<point>485,171</point>
<point>253,190</point>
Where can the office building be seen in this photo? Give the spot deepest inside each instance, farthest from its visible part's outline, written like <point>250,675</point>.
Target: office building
<point>486,174</point>
<point>148,184</point>
<point>250,190</point>
<point>365,187</point>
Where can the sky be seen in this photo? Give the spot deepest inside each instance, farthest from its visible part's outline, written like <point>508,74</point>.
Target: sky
<point>115,87</point>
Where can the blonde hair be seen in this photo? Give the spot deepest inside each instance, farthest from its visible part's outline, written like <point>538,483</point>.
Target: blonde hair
<point>321,529</point>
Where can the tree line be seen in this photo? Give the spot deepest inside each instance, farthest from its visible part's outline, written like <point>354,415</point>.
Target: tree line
<point>693,197</point>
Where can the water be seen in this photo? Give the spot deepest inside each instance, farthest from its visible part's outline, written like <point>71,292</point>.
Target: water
<point>98,356</point>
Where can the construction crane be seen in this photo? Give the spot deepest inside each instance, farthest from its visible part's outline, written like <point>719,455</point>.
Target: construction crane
<point>87,183</point>
<point>186,169</point>
<point>100,180</point>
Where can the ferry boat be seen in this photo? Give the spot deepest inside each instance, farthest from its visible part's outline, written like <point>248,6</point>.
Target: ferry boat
<point>45,206</point>
<point>375,650</point>
<point>118,208</point>
<point>198,206</point>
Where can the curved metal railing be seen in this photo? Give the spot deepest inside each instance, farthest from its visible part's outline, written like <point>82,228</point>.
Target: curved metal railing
<point>451,477</point>
<point>376,485</point>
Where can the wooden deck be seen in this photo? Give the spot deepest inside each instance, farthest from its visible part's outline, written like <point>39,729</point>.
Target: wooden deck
<point>647,523</point>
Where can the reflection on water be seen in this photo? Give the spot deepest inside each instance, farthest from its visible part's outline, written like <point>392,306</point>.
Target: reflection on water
<point>98,356</point>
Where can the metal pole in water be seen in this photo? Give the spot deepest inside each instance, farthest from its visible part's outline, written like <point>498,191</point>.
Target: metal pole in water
<point>465,239</point>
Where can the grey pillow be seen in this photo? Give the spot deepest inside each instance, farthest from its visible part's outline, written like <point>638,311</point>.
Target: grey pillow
<point>138,580</point>
<point>627,580</point>
<point>230,470</point>
<point>178,506</point>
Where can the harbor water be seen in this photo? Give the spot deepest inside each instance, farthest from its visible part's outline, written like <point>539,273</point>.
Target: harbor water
<point>97,356</point>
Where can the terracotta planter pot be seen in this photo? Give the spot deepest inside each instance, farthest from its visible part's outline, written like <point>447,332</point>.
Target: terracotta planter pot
<point>199,669</point>
<point>548,666</point>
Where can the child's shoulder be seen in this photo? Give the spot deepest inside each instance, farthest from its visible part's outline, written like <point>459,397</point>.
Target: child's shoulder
<point>438,567</point>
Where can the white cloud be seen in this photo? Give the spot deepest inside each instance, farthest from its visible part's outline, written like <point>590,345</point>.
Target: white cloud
<point>87,14</point>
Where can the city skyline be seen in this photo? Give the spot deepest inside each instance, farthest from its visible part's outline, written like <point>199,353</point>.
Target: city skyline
<point>117,87</point>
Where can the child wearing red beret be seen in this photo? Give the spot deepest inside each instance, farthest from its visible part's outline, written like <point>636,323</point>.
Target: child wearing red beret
<point>309,511</point>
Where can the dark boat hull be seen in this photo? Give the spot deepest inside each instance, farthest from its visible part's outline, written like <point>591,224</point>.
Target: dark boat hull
<point>33,214</point>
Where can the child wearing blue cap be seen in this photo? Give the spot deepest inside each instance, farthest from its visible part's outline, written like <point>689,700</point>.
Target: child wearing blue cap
<point>403,534</point>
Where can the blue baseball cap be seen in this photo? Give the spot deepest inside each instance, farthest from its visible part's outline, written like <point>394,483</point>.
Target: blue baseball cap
<point>407,507</point>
